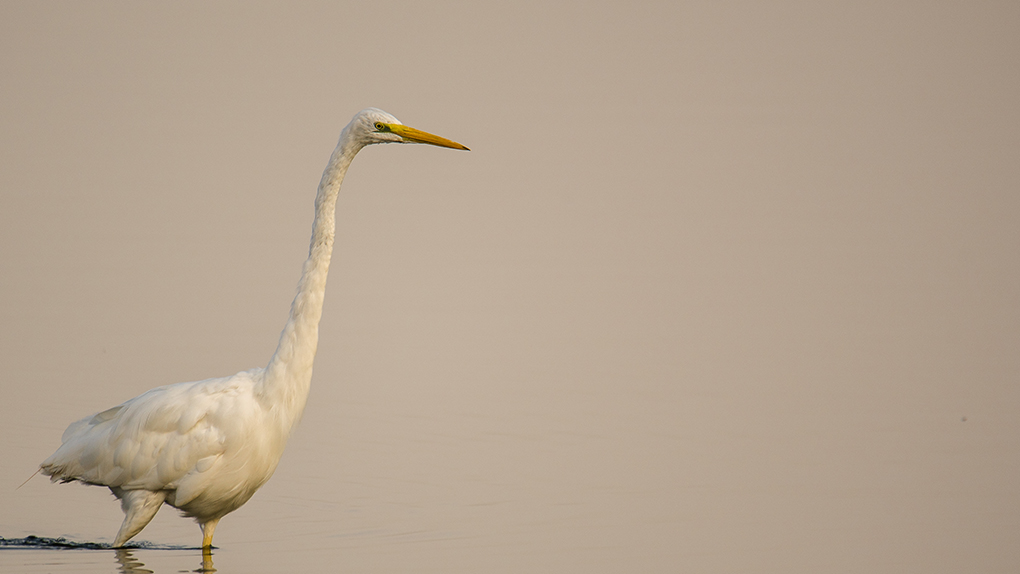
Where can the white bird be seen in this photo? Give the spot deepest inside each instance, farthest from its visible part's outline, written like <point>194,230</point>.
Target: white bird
<point>205,447</point>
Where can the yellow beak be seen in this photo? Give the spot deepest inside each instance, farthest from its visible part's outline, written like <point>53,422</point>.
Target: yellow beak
<point>412,135</point>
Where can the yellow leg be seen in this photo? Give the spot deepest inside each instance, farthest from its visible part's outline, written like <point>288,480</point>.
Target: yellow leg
<point>207,532</point>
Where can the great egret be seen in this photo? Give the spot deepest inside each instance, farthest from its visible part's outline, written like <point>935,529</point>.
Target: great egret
<point>205,447</point>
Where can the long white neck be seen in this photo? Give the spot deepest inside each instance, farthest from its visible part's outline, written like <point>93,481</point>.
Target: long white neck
<point>289,373</point>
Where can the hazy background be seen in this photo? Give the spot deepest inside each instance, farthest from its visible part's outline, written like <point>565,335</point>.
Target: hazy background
<point>722,286</point>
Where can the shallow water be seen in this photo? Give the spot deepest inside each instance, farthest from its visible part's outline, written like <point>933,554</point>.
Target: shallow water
<point>35,554</point>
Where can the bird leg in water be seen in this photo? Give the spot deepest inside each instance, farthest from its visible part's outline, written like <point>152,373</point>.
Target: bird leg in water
<point>207,532</point>
<point>139,507</point>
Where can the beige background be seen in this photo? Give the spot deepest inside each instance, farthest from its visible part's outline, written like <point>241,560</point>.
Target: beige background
<point>722,287</point>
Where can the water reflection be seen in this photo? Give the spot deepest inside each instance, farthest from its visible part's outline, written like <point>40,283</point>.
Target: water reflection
<point>126,561</point>
<point>130,565</point>
<point>207,565</point>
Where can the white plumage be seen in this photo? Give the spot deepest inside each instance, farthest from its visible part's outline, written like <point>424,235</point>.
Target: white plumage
<point>205,447</point>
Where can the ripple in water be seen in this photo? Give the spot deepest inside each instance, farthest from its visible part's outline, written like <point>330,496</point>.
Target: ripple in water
<point>65,544</point>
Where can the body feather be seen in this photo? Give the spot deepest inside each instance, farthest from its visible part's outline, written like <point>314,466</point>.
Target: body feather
<point>185,438</point>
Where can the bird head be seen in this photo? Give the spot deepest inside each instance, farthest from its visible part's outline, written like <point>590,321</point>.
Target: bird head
<point>374,126</point>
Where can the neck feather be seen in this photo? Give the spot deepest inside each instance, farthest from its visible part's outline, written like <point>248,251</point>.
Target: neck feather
<point>289,373</point>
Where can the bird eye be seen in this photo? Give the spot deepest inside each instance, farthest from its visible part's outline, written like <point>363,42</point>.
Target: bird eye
<point>381,127</point>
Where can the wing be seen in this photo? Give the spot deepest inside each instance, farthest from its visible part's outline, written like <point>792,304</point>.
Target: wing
<point>156,439</point>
